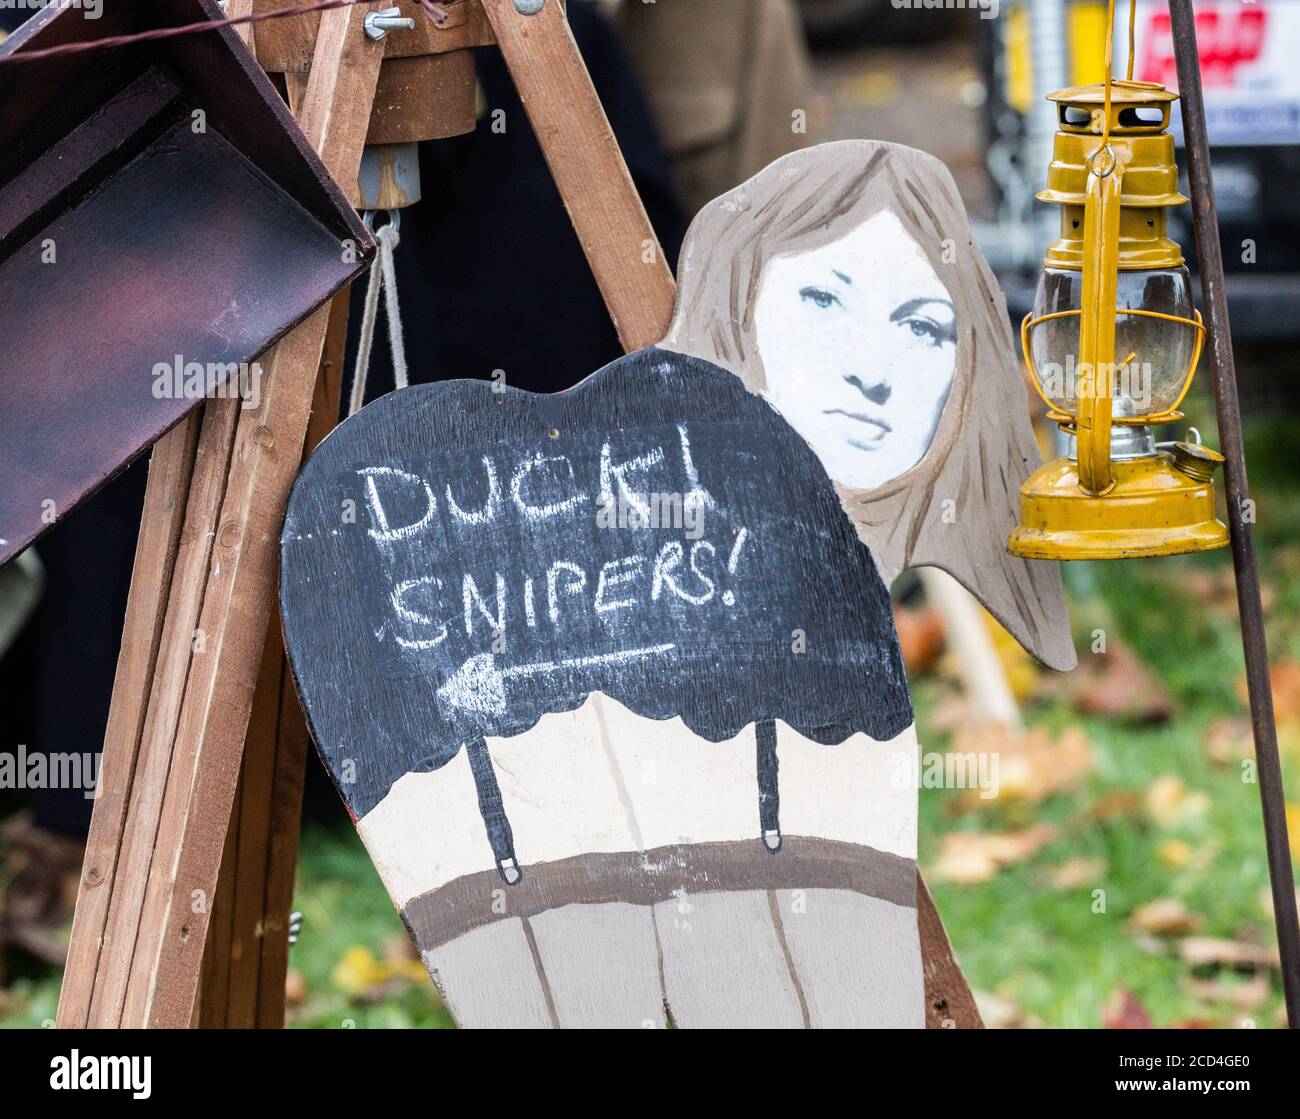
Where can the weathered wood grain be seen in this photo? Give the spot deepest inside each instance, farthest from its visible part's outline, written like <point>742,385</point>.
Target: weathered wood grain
<point>286,45</point>
<point>166,495</point>
<point>218,697</point>
<point>270,791</point>
<point>949,1003</point>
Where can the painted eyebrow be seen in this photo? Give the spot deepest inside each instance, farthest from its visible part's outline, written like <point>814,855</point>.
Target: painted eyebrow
<point>847,279</point>
<point>905,309</point>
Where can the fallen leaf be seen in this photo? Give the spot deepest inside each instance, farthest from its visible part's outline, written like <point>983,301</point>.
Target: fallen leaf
<point>1125,1012</point>
<point>969,858</point>
<point>1030,765</point>
<point>295,988</point>
<point>1203,951</point>
<point>1174,852</point>
<point>356,971</point>
<point>359,974</point>
<point>1229,740</point>
<point>1164,917</point>
<point>920,637</point>
<point>1116,804</point>
<point>1000,1013</point>
<point>952,713</point>
<point>1171,804</point>
<point>1075,874</point>
<point>1245,994</point>
<point>398,949</point>
<point>1117,685</point>
<point>1266,900</point>
<point>1284,677</point>
<point>1217,590</point>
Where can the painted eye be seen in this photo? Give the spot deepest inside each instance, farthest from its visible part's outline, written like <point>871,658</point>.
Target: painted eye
<point>922,327</point>
<point>820,297</point>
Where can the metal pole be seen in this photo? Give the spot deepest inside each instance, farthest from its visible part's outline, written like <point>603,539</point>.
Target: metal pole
<point>1223,375</point>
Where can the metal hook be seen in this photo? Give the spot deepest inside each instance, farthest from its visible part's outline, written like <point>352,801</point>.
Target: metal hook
<point>394,219</point>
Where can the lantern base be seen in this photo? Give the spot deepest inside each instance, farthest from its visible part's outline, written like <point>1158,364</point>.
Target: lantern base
<point>1154,509</point>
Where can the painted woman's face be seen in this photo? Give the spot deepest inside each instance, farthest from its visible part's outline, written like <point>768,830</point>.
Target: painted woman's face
<point>858,340</point>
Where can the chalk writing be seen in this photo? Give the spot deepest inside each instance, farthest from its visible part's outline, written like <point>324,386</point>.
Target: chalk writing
<point>478,588</point>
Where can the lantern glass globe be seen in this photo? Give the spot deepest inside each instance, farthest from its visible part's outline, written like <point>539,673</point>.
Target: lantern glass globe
<point>1153,380</point>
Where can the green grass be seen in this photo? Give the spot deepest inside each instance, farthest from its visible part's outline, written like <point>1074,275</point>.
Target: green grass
<point>1045,949</point>
<point>344,905</point>
<point>1041,948</point>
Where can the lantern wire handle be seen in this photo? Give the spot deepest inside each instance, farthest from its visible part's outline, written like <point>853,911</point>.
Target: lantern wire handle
<point>1132,38</point>
<point>1128,72</point>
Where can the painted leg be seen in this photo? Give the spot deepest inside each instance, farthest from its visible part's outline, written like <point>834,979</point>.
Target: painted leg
<point>857,959</point>
<point>769,792</point>
<point>601,964</point>
<point>725,962</point>
<point>493,811</point>
<point>490,978</point>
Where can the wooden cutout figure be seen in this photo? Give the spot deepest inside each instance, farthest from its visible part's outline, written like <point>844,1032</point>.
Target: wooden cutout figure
<point>608,679</point>
<point>162,221</point>
<point>843,283</point>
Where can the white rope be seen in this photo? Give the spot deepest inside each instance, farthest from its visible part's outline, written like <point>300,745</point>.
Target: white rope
<point>383,275</point>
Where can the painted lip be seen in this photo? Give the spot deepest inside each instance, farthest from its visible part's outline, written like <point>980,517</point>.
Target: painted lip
<point>861,417</point>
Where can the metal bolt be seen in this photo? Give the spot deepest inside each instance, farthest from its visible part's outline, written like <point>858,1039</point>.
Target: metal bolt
<point>528,7</point>
<point>380,23</point>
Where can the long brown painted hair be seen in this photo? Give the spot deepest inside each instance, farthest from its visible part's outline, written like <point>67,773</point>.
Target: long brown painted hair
<point>956,507</point>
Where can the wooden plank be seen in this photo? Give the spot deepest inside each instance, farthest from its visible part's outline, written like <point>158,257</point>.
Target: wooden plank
<point>211,1007</point>
<point>180,633</point>
<point>616,976</point>
<point>846,979</point>
<point>272,773</point>
<point>725,964</point>
<point>949,1003</point>
<point>251,822</point>
<point>588,168</point>
<point>166,493</point>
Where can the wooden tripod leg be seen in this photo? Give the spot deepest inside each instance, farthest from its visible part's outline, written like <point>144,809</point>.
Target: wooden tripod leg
<point>588,168</point>
<point>247,956</point>
<point>171,835</point>
<point>637,286</point>
<point>170,468</point>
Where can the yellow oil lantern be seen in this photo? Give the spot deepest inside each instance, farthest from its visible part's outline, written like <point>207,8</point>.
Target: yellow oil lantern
<point>1113,340</point>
